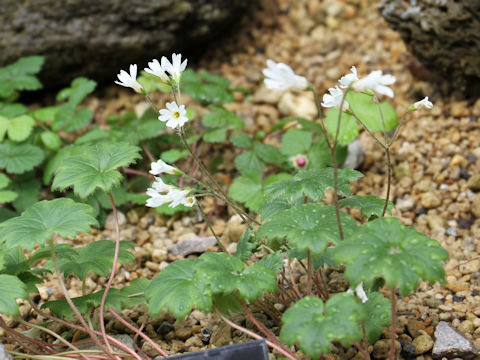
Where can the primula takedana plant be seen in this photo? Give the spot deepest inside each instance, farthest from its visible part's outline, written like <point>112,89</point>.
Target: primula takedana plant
<point>294,225</point>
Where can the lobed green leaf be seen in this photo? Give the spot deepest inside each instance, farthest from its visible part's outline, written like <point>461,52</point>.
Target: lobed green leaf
<point>18,158</point>
<point>369,205</point>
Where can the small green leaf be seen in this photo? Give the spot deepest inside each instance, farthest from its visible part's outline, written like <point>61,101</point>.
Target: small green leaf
<point>307,227</point>
<point>45,218</point>
<point>248,161</point>
<point>215,135</point>
<point>80,88</point>
<point>96,257</point>
<point>28,65</point>
<point>173,155</point>
<point>247,189</point>
<point>95,168</point>
<point>178,290</point>
<point>12,110</point>
<point>367,110</point>
<point>385,248</point>
<point>245,245</point>
<point>268,153</point>
<point>11,289</point>
<point>20,127</point>
<point>379,310</point>
<point>226,274</point>
<point>206,88</point>
<point>273,262</point>
<point>296,142</point>
<point>51,140</point>
<point>45,114</point>
<point>54,162</point>
<point>314,326</point>
<point>241,140</point>
<point>28,190</point>
<point>312,183</point>
<point>369,205</point>
<point>348,126</point>
<point>18,158</point>
<point>7,196</point>
<point>4,181</point>
<point>68,119</point>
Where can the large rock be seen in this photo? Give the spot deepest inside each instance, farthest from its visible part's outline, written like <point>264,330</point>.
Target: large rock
<point>443,35</point>
<point>98,38</point>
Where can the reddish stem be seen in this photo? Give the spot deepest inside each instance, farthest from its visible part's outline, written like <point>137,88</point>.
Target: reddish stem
<point>295,288</point>
<point>148,153</point>
<point>138,332</point>
<point>259,326</point>
<point>393,333</point>
<point>362,351</point>
<point>138,172</point>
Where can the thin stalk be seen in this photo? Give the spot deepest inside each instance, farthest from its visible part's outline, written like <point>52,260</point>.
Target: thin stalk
<point>23,340</point>
<point>320,286</point>
<point>292,280</point>
<point>324,282</point>
<point>72,305</point>
<point>382,145</point>
<point>138,332</point>
<point>210,227</point>
<point>148,153</point>
<point>400,123</point>
<point>309,272</point>
<point>114,341</point>
<point>327,357</point>
<point>389,180</point>
<point>365,355</point>
<point>52,333</point>
<point>265,307</point>
<point>112,274</point>
<point>255,336</point>
<point>138,172</point>
<point>393,332</point>
<point>152,104</point>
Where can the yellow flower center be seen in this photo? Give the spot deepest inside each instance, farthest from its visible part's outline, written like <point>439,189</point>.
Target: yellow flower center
<point>176,114</point>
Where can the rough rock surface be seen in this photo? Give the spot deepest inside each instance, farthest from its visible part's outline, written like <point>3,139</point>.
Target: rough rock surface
<point>97,38</point>
<point>450,343</point>
<point>442,34</point>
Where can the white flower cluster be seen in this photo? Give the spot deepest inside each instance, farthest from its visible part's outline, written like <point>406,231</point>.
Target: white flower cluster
<point>161,193</point>
<point>280,76</point>
<point>359,292</point>
<point>169,72</point>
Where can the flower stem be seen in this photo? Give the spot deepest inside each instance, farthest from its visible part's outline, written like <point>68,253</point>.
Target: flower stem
<point>365,355</point>
<point>210,227</point>
<point>309,272</point>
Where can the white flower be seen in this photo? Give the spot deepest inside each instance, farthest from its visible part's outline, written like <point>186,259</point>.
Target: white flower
<point>178,197</point>
<point>279,76</point>
<point>377,82</point>
<point>334,99</point>
<point>359,292</point>
<point>160,186</point>
<point>422,104</point>
<point>175,67</point>
<point>189,201</point>
<point>161,193</point>
<point>174,115</point>
<point>129,80</point>
<point>161,167</point>
<point>156,199</point>
<point>154,68</point>
<point>346,80</point>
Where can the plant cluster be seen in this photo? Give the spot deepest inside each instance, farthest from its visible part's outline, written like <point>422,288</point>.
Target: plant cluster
<point>298,190</point>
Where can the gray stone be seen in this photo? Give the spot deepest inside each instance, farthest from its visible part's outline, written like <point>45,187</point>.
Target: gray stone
<point>98,38</point>
<point>439,33</point>
<point>355,156</point>
<point>110,222</point>
<point>450,343</point>
<point>192,246</point>
<point>4,355</point>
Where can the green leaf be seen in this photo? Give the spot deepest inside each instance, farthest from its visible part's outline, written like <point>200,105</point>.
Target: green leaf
<point>20,127</point>
<point>268,153</point>
<point>54,162</point>
<point>241,140</point>
<point>369,205</point>
<point>247,189</point>
<point>307,227</point>
<point>68,119</point>
<point>4,181</point>
<point>245,245</point>
<point>314,326</point>
<point>11,289</point>
<point>379,310</point>
<point>215,135</point>
<point>45,218</point>
<point>173,155</point>
<point>273,262</point>
<point>248,161</point>
<point>12,110</point>
<point>385,248</point>
<point>4,123</point>
<point>319,154</point>
<point>96,257</point>
<point>367,110</point>
<point>80,88</point>
<point>18,158</point>
<point>312,183</point>
<point>45,114</point>
<point>221,117</point>
<point>226,274</point>
<point>295,142</point>
<point>51,140</point>
<point>7,196</point>
<point>206,88</point>
<point>95,168</point>
<point>348,126</point>
<point>178,290</point>
<point>28,65</point>
<point>28,190</point>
